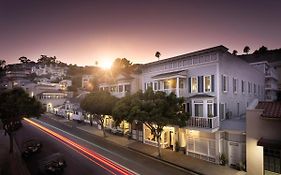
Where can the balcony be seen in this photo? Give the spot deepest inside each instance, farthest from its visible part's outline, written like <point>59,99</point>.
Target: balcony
<point>119,94</point>
<point>271,74</point>
<point>271,86</point>
<point>203,122</point>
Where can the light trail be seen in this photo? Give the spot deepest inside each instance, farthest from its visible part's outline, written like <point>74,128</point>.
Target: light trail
<point>84,150</point>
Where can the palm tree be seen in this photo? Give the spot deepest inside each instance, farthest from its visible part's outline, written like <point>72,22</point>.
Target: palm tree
<point>246,49</point>
<point>158,54</point>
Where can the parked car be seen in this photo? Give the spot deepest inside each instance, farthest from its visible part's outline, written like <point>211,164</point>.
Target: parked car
<point>117,131</point>
<point>53,164</point>
<point>30,146</point>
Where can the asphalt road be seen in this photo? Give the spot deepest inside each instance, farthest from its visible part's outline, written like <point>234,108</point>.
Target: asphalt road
<point>77,164</point>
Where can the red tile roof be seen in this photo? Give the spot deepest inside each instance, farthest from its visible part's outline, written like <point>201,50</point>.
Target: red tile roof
<point>271,110</point>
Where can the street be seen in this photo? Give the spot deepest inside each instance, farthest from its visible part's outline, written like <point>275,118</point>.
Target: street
<point>77,162</point>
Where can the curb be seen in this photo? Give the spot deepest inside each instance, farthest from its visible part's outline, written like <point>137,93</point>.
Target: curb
<point>140,152</point>
<point>167,162</point>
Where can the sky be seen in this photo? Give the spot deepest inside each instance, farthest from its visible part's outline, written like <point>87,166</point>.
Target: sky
<point>85,31</point>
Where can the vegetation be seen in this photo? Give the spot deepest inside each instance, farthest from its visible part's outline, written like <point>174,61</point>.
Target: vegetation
<point>157,55</point>
<point>234,52</point>
<point>2,67</point>
<point>246,49</point>
<point>154,109</point>
<point>24,60</point>
<point>99,104</point>
<point>14,105</point>
<point>262,50</point>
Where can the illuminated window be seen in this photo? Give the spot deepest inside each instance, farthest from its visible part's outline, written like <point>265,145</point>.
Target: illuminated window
<point>194,84</point>
<point>207,83</point>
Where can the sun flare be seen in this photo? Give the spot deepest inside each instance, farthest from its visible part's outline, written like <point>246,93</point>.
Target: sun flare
<point>106,64</point>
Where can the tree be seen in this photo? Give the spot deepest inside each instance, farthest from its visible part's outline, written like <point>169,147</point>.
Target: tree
<point>262,50</point>
<point>158,54</point>
<point>246,49</point>
<point>154,109</point>
<point>234,52</point>
<point>44,59</point>
<point>14,105</point>
<point>2,67</point>
<point>24,60</point>
<point>121,65</point>
<point>99,104</point>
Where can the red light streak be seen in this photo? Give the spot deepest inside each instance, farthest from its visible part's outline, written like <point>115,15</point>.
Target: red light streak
<point>84,150</point>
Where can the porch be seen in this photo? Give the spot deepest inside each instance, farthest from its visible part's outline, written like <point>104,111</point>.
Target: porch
<point>203,122</point>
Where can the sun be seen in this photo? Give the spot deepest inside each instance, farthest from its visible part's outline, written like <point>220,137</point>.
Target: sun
<point>106,64</point>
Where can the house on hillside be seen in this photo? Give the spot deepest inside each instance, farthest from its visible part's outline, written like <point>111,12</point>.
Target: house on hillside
<point>217,87</point>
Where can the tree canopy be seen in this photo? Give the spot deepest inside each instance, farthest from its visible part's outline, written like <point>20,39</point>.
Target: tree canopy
<point>154,109</point>
<point>99,104</point>
<point>246,49</point>
<point>14,105</point>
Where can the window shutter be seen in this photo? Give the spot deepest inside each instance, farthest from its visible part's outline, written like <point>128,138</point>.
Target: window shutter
<point>222,83</point>
<point>215,109</point>
<point>227,83</point>
<point>189,84</point>
<point>200,83</point>
<point>213,83</point>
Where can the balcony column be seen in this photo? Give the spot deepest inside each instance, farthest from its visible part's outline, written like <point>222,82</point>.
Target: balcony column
<point>123,88</point>
<point>178,87</point>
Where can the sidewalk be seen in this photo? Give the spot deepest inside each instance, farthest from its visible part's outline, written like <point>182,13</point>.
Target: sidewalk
<point>175,158</point>
<point>10,164</point>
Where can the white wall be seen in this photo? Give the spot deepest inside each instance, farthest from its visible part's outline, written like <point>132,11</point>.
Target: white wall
<point>257,128</point>
<point>232,66</point>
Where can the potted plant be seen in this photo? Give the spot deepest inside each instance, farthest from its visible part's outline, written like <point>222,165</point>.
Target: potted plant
<point>222,159</point>
<point>177,148</point>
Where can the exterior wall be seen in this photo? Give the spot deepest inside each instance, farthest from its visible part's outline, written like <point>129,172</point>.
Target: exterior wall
<point>256,129</point>
<point>234,67</point>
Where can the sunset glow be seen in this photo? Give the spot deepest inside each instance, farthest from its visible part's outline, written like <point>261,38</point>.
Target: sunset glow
<point>106,64</point>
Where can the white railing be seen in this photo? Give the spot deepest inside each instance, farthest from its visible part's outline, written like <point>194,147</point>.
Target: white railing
<point>118,94</point>
<point>203,122</point>
<point>182,91</point>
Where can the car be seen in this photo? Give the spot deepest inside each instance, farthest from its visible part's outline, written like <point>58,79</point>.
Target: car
<point>117,131</point>
<point>30,147</point>
<point>53,164</point>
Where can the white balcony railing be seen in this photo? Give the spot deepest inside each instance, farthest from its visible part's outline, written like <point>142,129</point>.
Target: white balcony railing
<point>182,91</point>
<point>119,94</point>
<point>203,122</point>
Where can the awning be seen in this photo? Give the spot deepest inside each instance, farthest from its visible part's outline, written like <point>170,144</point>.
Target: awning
<point>276,144</point>
<point>170,75</point>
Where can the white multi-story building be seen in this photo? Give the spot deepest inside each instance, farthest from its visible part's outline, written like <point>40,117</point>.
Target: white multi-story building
<point>217,87</point>
<point>271,79</point>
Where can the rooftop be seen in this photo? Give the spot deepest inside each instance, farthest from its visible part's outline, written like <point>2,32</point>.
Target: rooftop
<point>271,110</point>
<point>219,48</point>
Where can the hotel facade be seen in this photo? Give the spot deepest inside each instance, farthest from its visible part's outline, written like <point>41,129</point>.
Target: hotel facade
<point>217,87</point>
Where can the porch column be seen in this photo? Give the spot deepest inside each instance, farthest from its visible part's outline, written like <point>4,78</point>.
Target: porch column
<point>178,87</point>
<point>123,88</point>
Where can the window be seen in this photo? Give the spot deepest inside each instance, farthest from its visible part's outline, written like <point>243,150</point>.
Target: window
<point>127,88</point>
<point>120,88</point>
<point>181,83</point>
<point>155,86</point>
<point>210,110</point>
<point>255,88</point>
<point>207,83</point>
<point>222,111</point>
<point>243,86</point>
<point>198,110</point>
<point>272,161</point>
<point>224,83</point>
<point>194,84</point>
<point>249,87</point>
<point>235,85</point>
